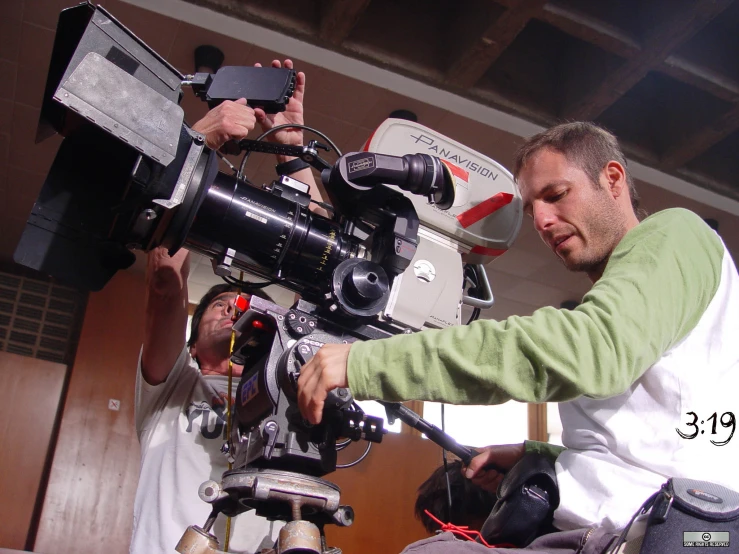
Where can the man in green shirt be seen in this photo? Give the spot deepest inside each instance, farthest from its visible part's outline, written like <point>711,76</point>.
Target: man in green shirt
<point>653,339</point>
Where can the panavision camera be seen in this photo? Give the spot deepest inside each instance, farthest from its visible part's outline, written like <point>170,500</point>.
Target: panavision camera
<point>412,219</point>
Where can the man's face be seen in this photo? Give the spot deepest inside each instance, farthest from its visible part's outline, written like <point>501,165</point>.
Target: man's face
<point>215,324</point>
<point>579,221</point>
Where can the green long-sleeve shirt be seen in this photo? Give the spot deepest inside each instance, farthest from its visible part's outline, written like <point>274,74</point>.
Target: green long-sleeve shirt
<point>656,286</point>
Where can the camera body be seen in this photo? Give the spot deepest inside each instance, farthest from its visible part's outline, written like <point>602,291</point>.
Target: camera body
<point>415,216</point>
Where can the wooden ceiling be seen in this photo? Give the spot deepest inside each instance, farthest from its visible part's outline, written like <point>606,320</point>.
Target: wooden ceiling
<point>661,74</point>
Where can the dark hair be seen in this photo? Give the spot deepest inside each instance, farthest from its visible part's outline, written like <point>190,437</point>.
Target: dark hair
<point>585,144</point>
<point>470,503</point>
<point>207,298</point>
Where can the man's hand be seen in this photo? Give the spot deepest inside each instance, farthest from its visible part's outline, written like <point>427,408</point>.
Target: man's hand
<point>165,313</point>
<point>293,113</point>
<point>167,275</point>
<point>324,372</point>
<point>504,456</point>
<point>227,121</point>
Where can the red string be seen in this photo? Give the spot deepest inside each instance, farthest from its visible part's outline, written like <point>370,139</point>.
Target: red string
<point>466,532</point>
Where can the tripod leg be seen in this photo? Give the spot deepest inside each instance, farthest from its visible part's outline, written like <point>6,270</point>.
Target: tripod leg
<point>300,536</point>
<point>197,541</point>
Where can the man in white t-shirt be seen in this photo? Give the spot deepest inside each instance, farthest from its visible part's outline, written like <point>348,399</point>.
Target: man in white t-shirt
<point>181,391</point>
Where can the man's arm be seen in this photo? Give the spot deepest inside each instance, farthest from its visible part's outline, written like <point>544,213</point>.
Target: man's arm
<point>166,277</point>
<point>293,114</point>
<point>655,288</point>
<point>657,285</point>
<point>165,313</point>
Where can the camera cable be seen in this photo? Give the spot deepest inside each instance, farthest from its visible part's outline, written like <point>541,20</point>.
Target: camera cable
<point>246,284</point>
<point>240,173</point>
<point>229,405</point>
<point>343,444</point>
<point>470,277</point>
<point>355,462</point>
<point>446,471</point>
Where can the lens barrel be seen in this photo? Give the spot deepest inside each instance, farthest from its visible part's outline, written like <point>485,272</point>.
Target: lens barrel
<point>282,237</point>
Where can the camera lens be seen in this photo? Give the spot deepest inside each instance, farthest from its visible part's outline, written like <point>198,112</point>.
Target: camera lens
<point>282,237</point>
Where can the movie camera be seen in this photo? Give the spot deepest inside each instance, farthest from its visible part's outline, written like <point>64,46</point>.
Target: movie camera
<point>412,219</point>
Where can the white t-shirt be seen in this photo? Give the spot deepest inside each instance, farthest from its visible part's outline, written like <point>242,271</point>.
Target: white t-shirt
<point>181,426</point>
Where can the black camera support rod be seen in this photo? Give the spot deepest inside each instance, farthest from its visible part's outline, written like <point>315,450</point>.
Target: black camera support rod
<point>409,417</point>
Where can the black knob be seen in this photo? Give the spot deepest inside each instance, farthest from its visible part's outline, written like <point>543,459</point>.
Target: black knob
<point>362,285</point>
<point>299,324</point>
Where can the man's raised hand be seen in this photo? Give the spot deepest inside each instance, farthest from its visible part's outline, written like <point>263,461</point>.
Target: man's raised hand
<point>293,113</point>
<point>227,121</point>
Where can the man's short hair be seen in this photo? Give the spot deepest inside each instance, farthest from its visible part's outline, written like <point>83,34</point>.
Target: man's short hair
<point>471,504</point>
<point>584,144</point>
<point>208,297</point>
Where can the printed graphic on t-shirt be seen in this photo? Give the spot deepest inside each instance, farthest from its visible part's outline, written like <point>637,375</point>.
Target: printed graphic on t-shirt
<point>208,418</point>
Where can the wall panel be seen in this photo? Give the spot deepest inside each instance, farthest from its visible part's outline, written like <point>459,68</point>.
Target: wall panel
<point>31,391</point>
<point>382,491</point>
<point>89,502</point>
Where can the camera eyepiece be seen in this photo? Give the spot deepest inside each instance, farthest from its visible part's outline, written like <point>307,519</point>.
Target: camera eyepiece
<point>427,176</point>
<point>420,174</point>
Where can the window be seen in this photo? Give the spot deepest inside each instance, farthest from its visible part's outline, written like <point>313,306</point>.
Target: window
<point>370,407</point>
<point>481,425</point>
<point>554,424</point>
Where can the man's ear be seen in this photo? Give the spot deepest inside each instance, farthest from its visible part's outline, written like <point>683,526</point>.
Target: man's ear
<point>193,352</point>
<point>615,176</point>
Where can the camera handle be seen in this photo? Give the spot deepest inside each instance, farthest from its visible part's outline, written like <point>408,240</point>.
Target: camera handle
<point>307,153</point>
<point>484,282</point>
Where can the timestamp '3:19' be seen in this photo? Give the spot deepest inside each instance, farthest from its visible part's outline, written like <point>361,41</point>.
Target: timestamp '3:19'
<point>727,420</point>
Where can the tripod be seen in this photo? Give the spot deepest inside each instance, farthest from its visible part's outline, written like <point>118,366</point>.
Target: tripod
<point>305,502</point>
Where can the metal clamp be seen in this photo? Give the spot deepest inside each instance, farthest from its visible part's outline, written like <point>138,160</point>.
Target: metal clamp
<point>222,267</point>
<point>488,300</point>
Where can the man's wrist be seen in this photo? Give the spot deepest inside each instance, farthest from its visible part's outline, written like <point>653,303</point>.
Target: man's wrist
<point>283,159</point>
<point>551,451</point>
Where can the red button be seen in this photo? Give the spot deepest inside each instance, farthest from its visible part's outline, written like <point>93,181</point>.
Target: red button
<point>241,303</point>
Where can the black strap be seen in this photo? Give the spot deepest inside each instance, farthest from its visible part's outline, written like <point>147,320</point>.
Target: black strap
<point>642,510</point>
<point>290,167</point>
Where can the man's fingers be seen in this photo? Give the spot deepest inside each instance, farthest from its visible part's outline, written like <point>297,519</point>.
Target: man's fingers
<point>299,91</point>
<point>485,478</point>
<point>323,373</point>
<point>311,396</point>
<point>478,462</point>
<point>490,482</point>
<point>307,382</point>
<point>263,120</point>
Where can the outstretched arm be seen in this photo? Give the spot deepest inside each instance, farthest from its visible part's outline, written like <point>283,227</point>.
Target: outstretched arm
<point>165,312</point>
<point>166,277</point>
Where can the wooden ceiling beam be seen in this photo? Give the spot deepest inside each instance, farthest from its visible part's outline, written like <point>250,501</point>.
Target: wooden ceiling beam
<point>592,30</point>
<point>677,27</point>
<point>338,19</point>
<point>472,64</point>
<point>616,41</point>
<point>717,84</point>
<point>702,140</point>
